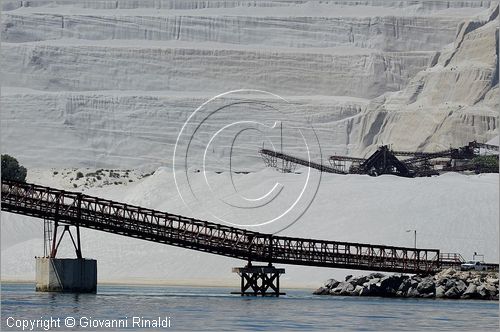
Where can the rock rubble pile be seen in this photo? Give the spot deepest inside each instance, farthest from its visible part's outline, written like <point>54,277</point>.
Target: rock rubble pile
<point>449,284</point>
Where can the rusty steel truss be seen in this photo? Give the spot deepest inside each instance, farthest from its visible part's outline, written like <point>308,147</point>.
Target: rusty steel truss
<point>77,209</point>
<point>271,157</point>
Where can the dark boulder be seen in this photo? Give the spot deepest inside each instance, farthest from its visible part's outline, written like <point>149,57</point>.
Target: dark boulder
<point>390,285</point>
<point>332,283</point>
<point>360,280</point>
<point>441,282</point>
<point>471,292</point>
<point>427,286</point>
<point>405,285</point>
<point>461,286</point>
<point>451,283</point>
<point>321,291</point>
<point>365,291</point>
<point>492,290</point>
<point>483,292</point>
<point>374,288</point>
<point>452,293</point>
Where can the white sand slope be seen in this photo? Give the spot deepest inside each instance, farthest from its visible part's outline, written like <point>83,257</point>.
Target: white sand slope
<point>453,212</point>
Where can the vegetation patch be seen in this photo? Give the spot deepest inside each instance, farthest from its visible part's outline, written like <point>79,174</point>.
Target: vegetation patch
<point>11,170</point>
<point>486,161</point>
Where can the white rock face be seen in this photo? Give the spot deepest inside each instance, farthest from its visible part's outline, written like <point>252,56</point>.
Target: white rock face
<point>363,74</point>
<point>451,103</point>
<point>200,4</point>
<point>387,33</point>
<point>117,79</point>
<point>127,130</point>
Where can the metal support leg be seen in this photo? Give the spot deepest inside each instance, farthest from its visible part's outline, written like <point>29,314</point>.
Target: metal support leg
<point>259,280</point>
<point>79,245</point>
<point>53,251</point>
<point>56,243</point>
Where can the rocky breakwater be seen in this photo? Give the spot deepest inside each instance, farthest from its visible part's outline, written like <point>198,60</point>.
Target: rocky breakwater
<point>447,284</point>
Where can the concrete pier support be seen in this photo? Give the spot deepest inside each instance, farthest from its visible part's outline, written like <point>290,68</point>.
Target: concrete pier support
<point>66,275</point>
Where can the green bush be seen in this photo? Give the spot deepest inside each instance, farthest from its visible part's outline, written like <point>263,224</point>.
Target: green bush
<point>490,161</point>
<point>11,170</point>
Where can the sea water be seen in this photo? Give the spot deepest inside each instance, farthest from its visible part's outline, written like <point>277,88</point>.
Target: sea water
<point>215,309</point>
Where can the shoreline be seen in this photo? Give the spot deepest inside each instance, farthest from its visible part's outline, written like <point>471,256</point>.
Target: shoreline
<point>157,284</point>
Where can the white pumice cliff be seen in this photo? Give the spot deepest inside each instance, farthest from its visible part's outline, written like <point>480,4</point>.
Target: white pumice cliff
<point>454,101</point>
<point>97,72</point>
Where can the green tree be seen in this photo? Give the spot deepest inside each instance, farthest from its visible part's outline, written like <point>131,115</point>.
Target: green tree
<point>486,162</point>
<point>11,170</point>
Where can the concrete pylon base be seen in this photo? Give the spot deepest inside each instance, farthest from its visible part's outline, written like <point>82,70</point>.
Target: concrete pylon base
<point>66,275</point>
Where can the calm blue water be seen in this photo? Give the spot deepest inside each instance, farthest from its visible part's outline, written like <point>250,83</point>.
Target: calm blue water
<point>215,309</point>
